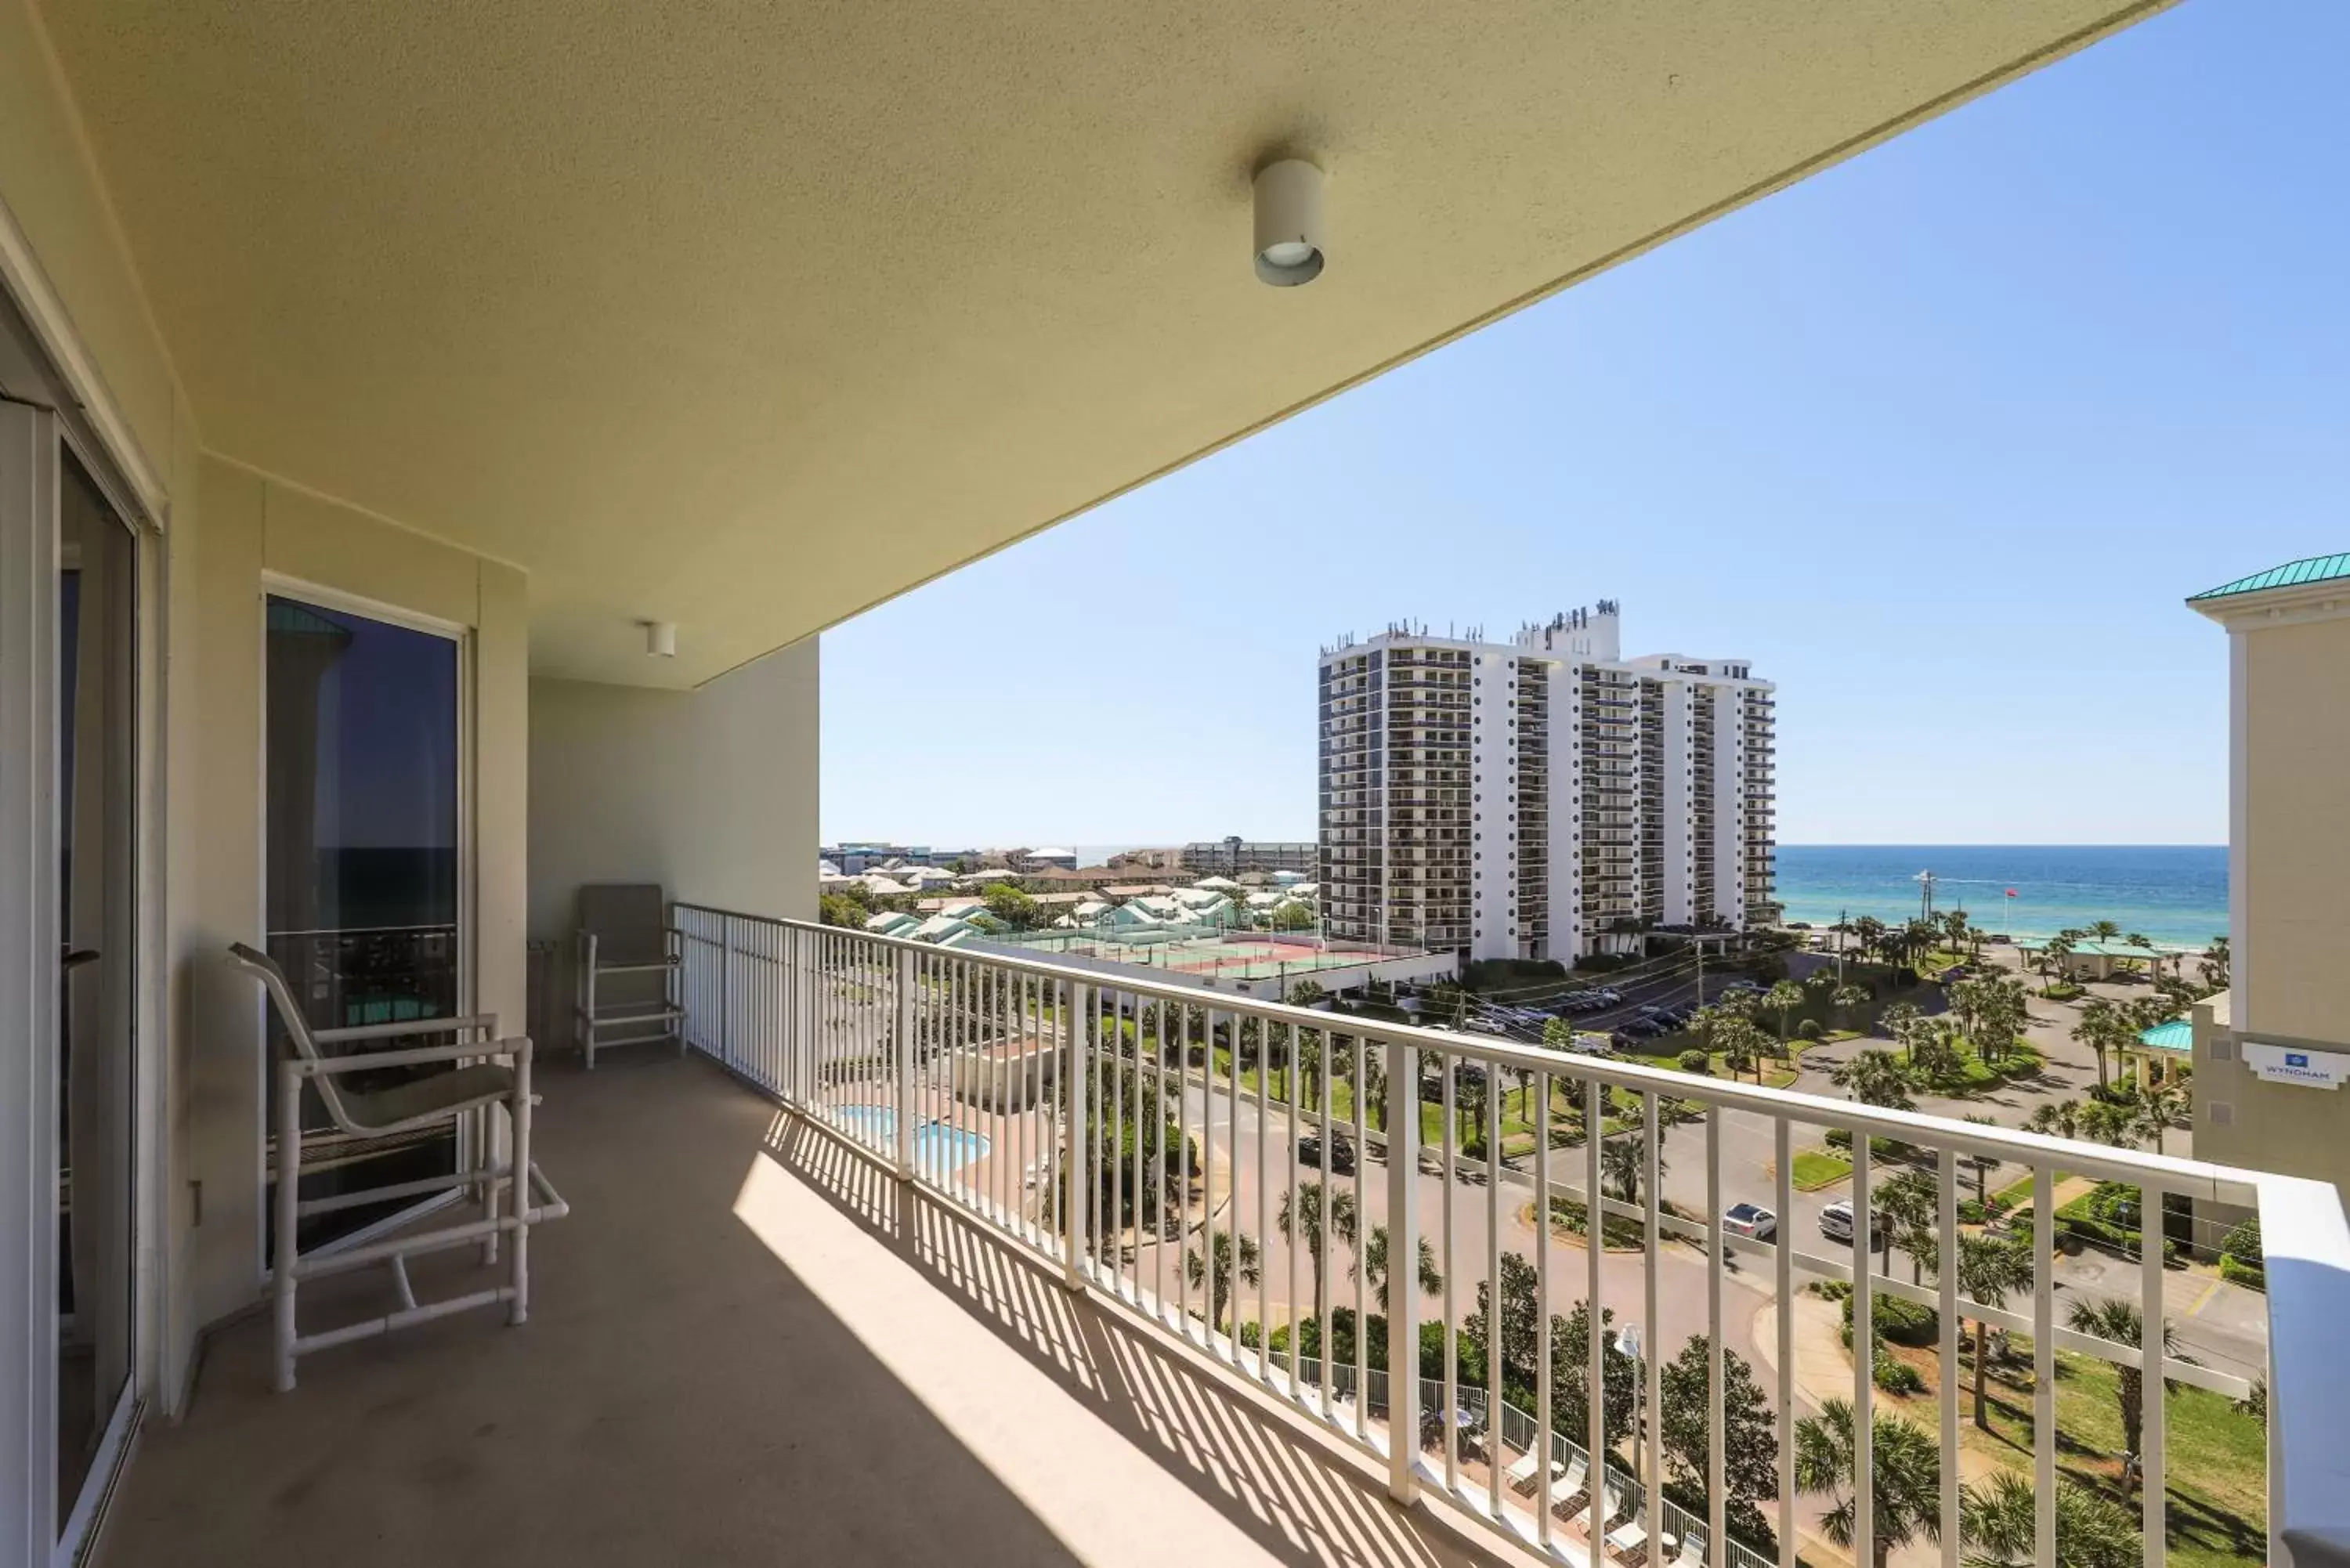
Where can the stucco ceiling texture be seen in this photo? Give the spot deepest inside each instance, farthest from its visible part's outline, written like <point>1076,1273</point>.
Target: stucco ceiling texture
<point>749,316</point>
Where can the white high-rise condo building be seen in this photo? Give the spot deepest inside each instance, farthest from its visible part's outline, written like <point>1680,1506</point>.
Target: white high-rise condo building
<point>1534,799</point>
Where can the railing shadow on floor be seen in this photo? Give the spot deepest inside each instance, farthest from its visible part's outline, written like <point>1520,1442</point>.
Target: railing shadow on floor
<point>1304,1499</point>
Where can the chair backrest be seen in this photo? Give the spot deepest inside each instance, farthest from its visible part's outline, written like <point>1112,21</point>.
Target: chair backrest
<point>264,968</point>
<point>630,921</point>
<point>1578,1472</point>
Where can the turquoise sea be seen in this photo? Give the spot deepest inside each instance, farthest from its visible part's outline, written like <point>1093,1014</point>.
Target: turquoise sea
<point>2176,894</point>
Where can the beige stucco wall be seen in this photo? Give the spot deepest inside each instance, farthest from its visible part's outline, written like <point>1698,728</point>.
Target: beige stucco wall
<point>709,792</point>
<point>2295,854</point>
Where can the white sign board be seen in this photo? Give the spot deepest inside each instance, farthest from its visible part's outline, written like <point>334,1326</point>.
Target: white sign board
<point>2293,1065</point>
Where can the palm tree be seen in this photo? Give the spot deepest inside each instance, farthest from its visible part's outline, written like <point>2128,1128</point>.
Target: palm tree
<point>1873,1078</point>
<point>1988,1269</point>
<point>1848,998</point>
<point>2000,1520</point>
<point>2214,964</point>
<point>1897,1021</point>
<point>2104,932</point>
<point>1955,926</point>
<point>1868,934</point>
<point>1310,1214</point>
<point>2053,957</point>
<point>2101,1024</point>
<point>1908,1201</point>
<point>1623,1162</point>
<point>1217,1270</point>
<point>1906,1504</point>
<point>2121,1322</point>
<point>2056,1119</point>
<point>1783,999</point>
<point>1374,1265</point>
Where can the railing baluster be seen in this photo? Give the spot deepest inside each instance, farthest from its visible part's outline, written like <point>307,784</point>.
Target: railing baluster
<point>1594,1236</point>
<point>1403,1270</point>
<point>1945,1254</point>
<point>1864,1351</point>
<point>1183,1144</point>
<point>1444,1266</point>
<point>1652,1472</point>
<point>2044,1362</point>
<point>1543,1423</point>
<point>1265,1028</point>
<point>1717,1379</point>
<point>1362,1236</point>
<point>1783,1207</point>
<point>1494,1167</point>
<point>2152,1401</point>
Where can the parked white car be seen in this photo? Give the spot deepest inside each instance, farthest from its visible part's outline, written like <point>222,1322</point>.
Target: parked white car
<point>1750,1219</point>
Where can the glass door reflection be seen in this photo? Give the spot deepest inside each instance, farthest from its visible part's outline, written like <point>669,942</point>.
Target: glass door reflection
<point>97,850</point>
<point>363,880</point>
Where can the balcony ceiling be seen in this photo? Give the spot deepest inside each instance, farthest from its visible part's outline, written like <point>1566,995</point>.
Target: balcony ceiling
<point>748,317</point>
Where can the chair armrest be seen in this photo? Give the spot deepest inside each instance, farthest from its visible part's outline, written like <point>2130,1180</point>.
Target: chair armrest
<point>517,1046</point>
<point>409,1027</point>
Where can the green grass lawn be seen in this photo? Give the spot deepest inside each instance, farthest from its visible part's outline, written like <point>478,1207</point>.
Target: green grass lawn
<point>1815,1168</point>
<point>2216,1460</point>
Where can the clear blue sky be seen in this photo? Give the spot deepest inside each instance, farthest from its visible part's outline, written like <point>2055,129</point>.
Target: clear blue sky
<point>1938,438</point>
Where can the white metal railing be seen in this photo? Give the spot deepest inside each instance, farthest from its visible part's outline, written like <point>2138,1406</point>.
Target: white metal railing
<point>1237,1155</point>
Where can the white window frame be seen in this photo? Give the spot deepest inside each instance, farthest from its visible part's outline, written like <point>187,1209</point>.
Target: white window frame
<point>325,598</point>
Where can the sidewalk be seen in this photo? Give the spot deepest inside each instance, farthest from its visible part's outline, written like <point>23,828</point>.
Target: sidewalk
<point>1823,1371</point>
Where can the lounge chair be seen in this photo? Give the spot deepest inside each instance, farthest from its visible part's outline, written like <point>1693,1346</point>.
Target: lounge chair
<point>1692,1554</point>
<point>1569,1488</point>
<point>1627,1538</point>
<point>458,1086</point>
<point>1521,1475</point>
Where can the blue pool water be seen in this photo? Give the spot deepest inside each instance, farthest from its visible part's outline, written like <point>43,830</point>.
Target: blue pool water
<point>938,1148</point>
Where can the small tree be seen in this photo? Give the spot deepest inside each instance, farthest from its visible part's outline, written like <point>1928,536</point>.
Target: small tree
<point>1750,1433</point>
<point>1013,907</point>
<point>1999,1521</point>
<point>1784,999</point>
<point>2213,964</point>
<point>1849,999</point>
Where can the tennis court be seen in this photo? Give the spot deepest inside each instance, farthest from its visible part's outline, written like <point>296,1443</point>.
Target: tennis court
<point>1225,958</point>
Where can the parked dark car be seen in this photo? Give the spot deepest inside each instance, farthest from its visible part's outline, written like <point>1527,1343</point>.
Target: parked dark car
<point>1342,1153</point>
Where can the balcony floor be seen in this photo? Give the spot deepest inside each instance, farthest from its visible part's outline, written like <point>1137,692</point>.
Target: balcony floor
<point>737,1354</point>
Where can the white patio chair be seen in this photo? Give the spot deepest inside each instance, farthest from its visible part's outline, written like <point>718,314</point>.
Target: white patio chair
<point>1692,1554</point>
<point>1572,1485</point>
<point>1521,1475</point>
<point>1624,1539</point>
<point>481,1072</point>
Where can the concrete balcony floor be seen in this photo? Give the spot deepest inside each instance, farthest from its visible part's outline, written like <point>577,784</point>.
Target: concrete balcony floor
<point>740,1352</point>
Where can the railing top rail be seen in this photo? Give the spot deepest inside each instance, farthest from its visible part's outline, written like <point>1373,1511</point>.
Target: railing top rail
<point>2215,1183</point>
<point>2306,1242</point>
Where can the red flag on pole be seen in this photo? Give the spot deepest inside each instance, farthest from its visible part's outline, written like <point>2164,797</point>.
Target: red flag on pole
<point>2011,892</point>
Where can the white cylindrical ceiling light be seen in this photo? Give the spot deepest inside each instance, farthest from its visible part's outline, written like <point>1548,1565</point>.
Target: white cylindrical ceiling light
<point>1289,235</point>
<point>660,639</point>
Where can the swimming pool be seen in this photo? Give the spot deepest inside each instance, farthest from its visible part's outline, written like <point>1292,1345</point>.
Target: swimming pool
<point>938,1148</point>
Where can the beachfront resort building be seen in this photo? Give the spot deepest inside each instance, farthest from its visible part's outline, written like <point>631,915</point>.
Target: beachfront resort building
<point>2273,1052</point>
<point>1540,798</point>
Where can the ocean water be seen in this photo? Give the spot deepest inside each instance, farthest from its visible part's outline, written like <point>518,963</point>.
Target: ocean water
<point>2175,894</point>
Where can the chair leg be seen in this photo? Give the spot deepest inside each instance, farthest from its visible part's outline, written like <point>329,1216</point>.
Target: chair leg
<point>518,1312</point>
<point>484,1160</point>
<point>289,1194</point>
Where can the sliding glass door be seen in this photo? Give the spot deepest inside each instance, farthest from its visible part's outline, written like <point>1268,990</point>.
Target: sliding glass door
<point>364,879</point>
<point>69,980</point>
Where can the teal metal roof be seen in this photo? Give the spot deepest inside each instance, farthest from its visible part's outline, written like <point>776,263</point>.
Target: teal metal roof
<point>2291,575</point>
<point>2176,1035</point>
